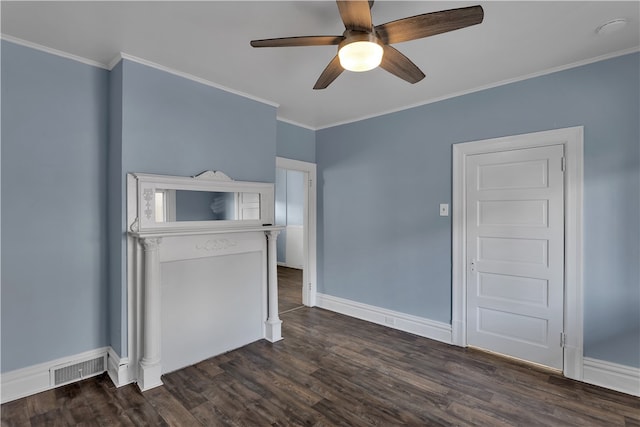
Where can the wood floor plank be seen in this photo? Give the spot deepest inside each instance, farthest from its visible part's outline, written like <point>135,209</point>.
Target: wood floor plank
<point>183,387</point>
<point>422,383</point>
<point>170,408</point>
<point>139,411</point>
<point>631,422</point>
<point>292,406</point>
<point>476,416</point>
<point>334,370</point>
<point>105,410</point>
<point>15,414</point>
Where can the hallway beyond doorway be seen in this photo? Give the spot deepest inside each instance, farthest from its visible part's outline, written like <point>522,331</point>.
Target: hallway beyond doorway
<point>289,289</point>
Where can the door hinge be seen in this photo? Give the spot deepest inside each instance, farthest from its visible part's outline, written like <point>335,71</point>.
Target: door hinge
<point>563,339</point>
<point>310,183</point>
<point>563,164</point>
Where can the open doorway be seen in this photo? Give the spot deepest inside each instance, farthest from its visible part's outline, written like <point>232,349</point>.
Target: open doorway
<point>289,289</point>
<point>295,210</point>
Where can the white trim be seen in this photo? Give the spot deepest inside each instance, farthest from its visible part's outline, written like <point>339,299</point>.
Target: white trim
<point>625,379</point>
<point>488,86</point>
<point>53,51</point>
<point>572,139</point>
<point>115,61</point>
<point>120,56</point>
<point>393,319</point>
<point>118,369</point>
<point>309,271</point>
<point>187,76</point>
<point>292,122</point>
<point>37,378</point>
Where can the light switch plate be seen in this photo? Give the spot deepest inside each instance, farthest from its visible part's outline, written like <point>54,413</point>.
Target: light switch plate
<point>444,209</point>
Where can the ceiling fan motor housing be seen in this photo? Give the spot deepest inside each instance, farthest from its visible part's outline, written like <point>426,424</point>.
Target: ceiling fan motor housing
<point>351,36</point>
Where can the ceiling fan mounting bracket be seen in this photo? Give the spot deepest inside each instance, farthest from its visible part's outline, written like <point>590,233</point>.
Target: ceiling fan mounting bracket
<point>351,36</point>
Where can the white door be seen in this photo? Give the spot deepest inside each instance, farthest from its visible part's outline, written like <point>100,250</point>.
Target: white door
<point>515,250</point>
<point>248,206</point>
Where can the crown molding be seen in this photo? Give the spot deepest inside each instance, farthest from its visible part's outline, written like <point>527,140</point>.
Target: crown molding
<point>53,51</point>
<point>120,56</point>
<point>291,122</point>
<point>187,76</point>
<point>489,86</point>
<point>115,61</point>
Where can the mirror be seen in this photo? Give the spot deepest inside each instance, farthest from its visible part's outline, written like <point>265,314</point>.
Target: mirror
<point>188,205</point>
<point>210,199</point>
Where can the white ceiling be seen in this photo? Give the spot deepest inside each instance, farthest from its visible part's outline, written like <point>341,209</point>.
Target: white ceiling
<point>210,40</point>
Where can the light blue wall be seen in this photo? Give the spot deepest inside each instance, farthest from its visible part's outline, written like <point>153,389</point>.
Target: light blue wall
<point>382,242</point>
<point>54,207</point>
<point>175,126</point>
<point>295,142</point>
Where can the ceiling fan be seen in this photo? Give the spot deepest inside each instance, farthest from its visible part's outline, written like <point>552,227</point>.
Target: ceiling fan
<point>363,46</point>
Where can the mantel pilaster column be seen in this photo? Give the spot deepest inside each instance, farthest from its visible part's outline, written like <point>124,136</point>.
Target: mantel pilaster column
<point>150,368</point>
<point>273,323</point>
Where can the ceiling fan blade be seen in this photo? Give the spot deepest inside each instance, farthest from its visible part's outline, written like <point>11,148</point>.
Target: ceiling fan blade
<point>298,41</point>
<point>355,14</point>
<point>399,65</point>
<point>333,70</point>
<point>429,24</point>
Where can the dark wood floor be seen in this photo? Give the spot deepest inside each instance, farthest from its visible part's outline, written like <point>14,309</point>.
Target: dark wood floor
<point>335,370</point>
<point>289,289</point>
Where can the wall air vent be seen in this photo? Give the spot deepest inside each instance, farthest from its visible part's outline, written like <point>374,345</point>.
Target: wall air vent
<point>75,371</point>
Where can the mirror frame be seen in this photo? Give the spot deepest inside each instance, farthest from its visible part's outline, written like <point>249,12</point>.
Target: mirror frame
<point>213,181</point>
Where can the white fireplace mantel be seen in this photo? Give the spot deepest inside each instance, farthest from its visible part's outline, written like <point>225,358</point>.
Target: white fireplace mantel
<point>159,247</point>
<point>155,240</point>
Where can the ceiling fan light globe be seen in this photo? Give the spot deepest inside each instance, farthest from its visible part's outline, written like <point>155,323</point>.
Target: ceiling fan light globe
<point>360,56</point>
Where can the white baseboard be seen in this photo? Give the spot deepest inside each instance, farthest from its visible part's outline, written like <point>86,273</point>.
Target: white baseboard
<point>296,267</point>
<point>118,369</point>
<point>37,378</point>
<point>625,379</point>
<point>393,319</point>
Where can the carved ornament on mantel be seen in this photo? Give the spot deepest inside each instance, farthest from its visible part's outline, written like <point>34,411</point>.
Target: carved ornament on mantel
<point>148,198</point>
<point>213,176</point>
<point>213,245</point>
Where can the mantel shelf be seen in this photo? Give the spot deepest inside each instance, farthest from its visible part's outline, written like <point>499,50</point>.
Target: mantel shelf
<point>201,231</point>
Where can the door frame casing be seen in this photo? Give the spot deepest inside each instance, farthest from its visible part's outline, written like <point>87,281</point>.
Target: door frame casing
<point>572,140</point>
<point>309,275</point>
